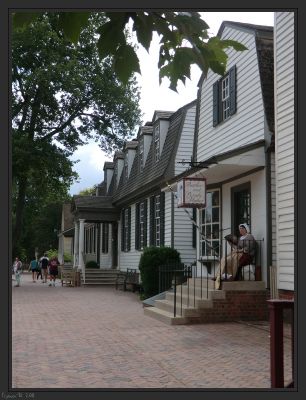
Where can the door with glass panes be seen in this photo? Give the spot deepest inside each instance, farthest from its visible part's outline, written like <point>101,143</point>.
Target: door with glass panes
<point>210,219</point>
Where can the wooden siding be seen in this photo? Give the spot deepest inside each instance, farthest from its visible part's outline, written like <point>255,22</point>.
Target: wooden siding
<point>184,151</point>
<point>247,124</point>
<point>130,259</point>
<point>284,147</point>
<point>183,234</point>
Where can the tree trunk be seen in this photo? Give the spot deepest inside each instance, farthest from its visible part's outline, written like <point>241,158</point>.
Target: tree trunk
<point>20,203</point>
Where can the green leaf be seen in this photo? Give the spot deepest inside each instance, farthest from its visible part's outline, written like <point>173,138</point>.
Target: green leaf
<point>22,19</point>
<point>235,45</point>
<point>111,38</point>
<point>72,23</point>
<point>143,27</point>
<point>217,67</point>
<point>191,25</point>
<point>126,63</point>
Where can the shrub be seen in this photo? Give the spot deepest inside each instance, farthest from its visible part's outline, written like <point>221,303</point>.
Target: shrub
<point>67,257</point>
<point>150,260</point>
<point>92,264</point>
<point>52,253</point>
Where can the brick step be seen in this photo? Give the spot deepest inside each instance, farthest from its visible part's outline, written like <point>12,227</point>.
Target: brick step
<point>237,300</point>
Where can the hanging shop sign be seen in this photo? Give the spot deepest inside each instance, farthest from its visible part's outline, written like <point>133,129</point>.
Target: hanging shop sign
<point>191,193</point>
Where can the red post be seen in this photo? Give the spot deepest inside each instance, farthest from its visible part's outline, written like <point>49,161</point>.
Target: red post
<point>276,308</point>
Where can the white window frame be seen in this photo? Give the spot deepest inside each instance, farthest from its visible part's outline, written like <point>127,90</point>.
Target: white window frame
<point>208,227</point>
<point>157,221</point>
<point>141,224</point>
<point>225,98</point>
<point>157,142</point>
<point>126,229</point>
<point>141,154</point>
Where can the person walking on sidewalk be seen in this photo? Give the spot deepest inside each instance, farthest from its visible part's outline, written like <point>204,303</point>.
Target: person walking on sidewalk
<point>44,261</point>
<point>53,270</point>
<point>33,267</point>
<point>39,272</point>
<point>17,268</point>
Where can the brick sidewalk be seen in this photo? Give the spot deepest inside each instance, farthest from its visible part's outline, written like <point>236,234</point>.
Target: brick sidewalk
<point>97,337</point>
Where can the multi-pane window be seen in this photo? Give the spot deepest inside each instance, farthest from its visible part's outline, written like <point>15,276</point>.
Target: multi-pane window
<point>105,237</point>
<point>157,221</point>
<point>210,226</point>
<point>157,142</point>
<point>126,167</point>
<point>126,230</point>
<point>141,225</point>
<point>141,148</point>
<point>225,98</point>
<point>90,240</point>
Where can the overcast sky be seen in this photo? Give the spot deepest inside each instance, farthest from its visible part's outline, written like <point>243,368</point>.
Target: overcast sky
<point>155,97</point>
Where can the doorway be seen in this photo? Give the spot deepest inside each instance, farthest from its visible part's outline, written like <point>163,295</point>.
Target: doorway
<point>241,206</point>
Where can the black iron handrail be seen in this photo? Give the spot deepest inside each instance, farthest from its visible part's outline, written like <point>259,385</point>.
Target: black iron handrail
<point>171,275</point>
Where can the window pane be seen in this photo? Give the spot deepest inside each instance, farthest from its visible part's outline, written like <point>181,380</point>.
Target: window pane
<point>215,214</point>
<point>215,198</point>
<point>208,231</point>
<point>210,226</point>
<point>215,229</point>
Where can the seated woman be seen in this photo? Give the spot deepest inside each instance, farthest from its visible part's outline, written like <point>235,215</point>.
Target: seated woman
<point>243,251</point>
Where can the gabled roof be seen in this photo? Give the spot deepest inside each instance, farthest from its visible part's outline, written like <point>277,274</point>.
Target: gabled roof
<point>158,114</point>
<point>258,29</point>
<point>264,46</point>
<point>97,202</point>
<point>94,208</point>
<point>154,174</point>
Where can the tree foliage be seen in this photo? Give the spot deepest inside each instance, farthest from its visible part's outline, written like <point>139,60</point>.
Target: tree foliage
<point>62,95</point>
<point>184,41</point>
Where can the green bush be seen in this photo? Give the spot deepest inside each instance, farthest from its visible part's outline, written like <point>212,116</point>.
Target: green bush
<point>52,253</point>
<point>92,264</point>
<point>150,260</point>
<point>67,257</point>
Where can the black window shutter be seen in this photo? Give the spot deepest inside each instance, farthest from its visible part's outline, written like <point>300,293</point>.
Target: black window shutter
<point>145,223</point>
<point>216,103</point>
<point>152,221</point>
<point>233,90</point>
<point>129,229</point>
<point>122,230</point>
<point>194,228</point>
<point>137,227</point>
<point>162,218</point>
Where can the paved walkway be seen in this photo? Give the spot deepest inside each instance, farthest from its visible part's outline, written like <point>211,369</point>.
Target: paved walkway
<point>97,337</point>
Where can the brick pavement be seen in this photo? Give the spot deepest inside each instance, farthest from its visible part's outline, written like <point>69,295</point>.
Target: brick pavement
<point>97,337</point>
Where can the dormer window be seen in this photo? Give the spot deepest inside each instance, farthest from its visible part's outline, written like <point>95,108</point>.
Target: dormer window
<point>224,97</point>
<point>115,172</point>
<point>157,142</point>
<point>141,149</point>
<point>126,167</point>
